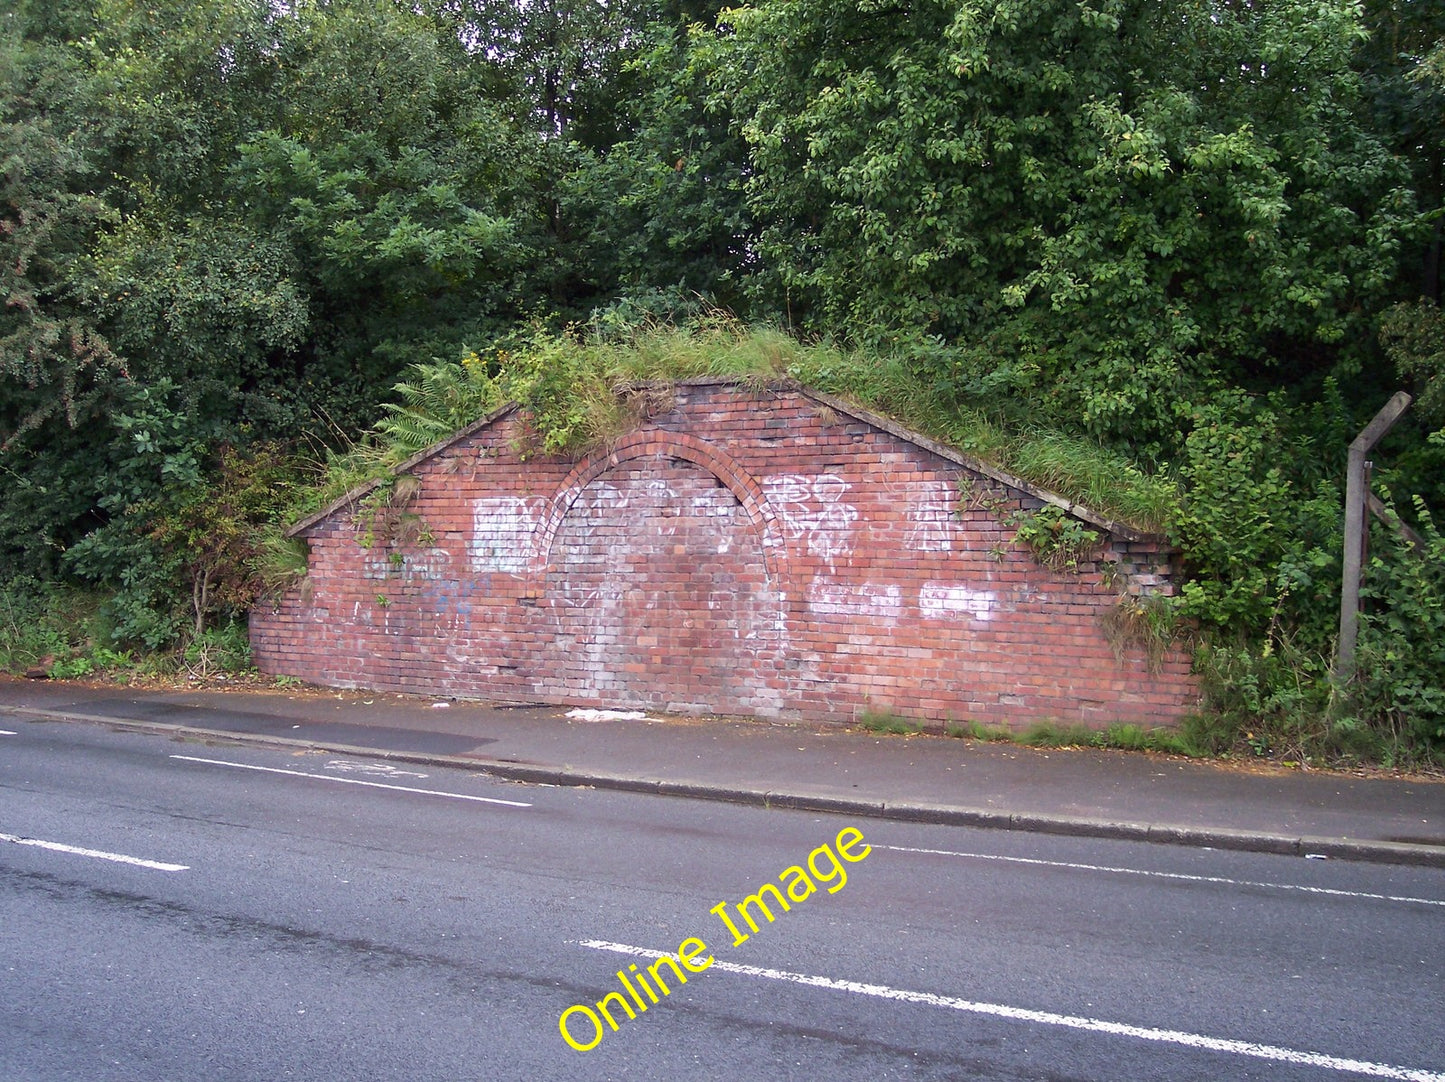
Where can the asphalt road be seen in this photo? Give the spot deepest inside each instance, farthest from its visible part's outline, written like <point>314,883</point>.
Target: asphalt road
<point>287,922</point>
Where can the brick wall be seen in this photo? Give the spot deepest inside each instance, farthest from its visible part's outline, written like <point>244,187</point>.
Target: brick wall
<point>768,552</point>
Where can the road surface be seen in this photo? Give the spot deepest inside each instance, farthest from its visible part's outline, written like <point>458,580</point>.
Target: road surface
<point>173,910</point>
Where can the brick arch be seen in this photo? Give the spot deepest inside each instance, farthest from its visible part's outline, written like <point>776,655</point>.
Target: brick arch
<point>656,443</point>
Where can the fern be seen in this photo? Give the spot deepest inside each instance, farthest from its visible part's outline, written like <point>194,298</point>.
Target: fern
<point>571,389</point>
<point>409,429</point>
<point>440,398</point>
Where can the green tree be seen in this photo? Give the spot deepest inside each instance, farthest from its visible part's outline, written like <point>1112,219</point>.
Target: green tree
<point>314,197</point>
<point>229,220</point>
<point>563,65</point>
<point>660,217</point>
<point>1403,71</point>
<point>57,368</point>
<point>51,352</point>
<point>1114,206</point>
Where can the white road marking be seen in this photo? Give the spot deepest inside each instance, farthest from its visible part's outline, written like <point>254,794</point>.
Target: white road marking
<point>1048,1018</point>
<point>1170,875</point>
<point>99,854</point>
<point>354,781</point>
<point>7,732</point>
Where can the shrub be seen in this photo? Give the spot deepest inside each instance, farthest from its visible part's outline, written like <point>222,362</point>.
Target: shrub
<point>40,621</point>
<point>1400,663</point>
<point>224,649</point>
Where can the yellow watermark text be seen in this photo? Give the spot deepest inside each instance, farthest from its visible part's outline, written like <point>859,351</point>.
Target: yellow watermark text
<point>582,1025</point>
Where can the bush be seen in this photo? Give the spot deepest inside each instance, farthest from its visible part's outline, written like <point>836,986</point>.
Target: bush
<point>59,629</point>
<point>33,623</point>
<point>225,649</point>
<point>1400,663</point>
<point>1264,699</point>
<point>1256,546</point>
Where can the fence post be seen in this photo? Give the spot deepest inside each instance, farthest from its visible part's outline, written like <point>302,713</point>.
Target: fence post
<point>1357,493</point>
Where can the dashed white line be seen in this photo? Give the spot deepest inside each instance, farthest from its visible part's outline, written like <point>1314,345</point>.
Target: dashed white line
<point>353,781</point>
<point>1073,866</point>
<point>99,854</point>
<point>1048,1018</point>
<point>7,732</point>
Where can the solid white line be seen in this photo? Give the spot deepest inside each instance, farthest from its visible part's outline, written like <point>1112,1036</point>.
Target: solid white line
<point>354,781</point>
<point>1047,1018</point>
<point>1169,875</point>
<point>99,854</point>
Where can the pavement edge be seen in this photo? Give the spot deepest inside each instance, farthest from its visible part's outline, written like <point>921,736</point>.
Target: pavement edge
<point>1354,849</point>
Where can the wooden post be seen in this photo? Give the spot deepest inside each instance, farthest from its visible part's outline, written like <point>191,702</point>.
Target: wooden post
<point>1357,492</point>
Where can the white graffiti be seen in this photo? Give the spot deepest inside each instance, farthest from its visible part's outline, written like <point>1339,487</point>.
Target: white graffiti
<point>432,565</point>
<point>714,503</point>
<point>605,596</point>
<point>614,627</point>
<point>814,512</point>
<point>599,496</point>
<point>830,598</point>
<point>502,529</point>
<point>930,517</point>
<point>458,651</point>
<point>942,600</point>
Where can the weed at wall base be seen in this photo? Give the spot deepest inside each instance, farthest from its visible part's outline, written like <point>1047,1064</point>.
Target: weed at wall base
<point>1122,737</point>
<point>876,721</point>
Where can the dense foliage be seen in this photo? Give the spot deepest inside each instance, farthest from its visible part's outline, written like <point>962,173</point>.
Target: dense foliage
<point>1112,206</point>
<point>1166,255</point>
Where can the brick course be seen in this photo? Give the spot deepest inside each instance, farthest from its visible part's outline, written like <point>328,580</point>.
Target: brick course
<point>763,551</point>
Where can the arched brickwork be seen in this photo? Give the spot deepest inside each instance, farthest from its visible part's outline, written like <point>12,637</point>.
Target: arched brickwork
<point>661,443</point>
<point>657,591</point>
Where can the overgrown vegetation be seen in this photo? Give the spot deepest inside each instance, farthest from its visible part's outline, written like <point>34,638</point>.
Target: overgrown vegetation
<point>1402,658</point>
<point>1150,622</point>
<point>881,721</point>
<point>66,634</point>
<point>581,390</point>
<point>1051,735</point>
<point>1265,582</point>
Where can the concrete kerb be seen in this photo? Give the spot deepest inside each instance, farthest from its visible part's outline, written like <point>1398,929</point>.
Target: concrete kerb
<point>622,783</point>
<point>840,805</point>
<point>946,815</point>
<point>1078,826</point>
<point>1427,856</point>
<point>1251,841</point>
<point>1355,849</point>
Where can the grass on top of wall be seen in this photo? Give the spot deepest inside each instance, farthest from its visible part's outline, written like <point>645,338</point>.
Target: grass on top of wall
<point>581,392</point>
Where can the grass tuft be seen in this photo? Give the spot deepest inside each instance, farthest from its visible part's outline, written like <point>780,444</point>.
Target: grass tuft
<point>882,722</point>
<point>583,392</point>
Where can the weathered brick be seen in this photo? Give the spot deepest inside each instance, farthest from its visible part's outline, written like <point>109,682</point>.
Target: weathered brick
<point>734,555</point>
